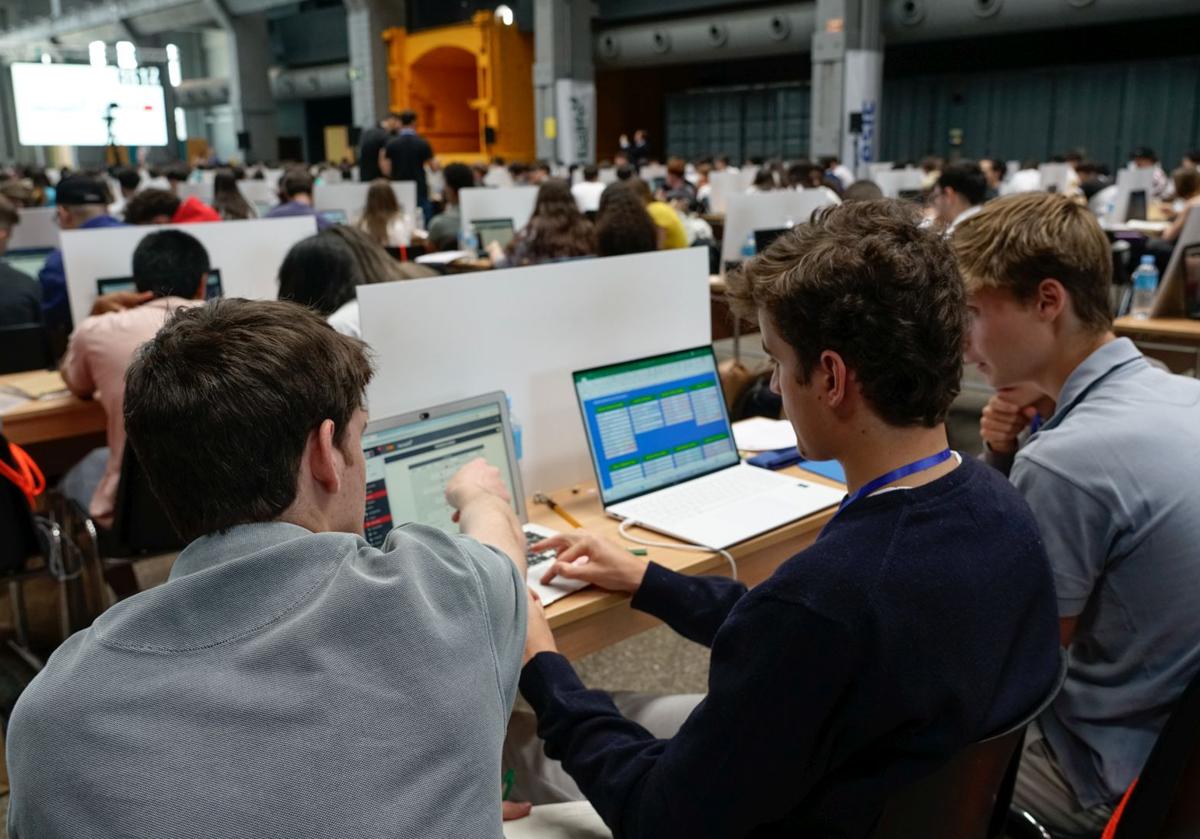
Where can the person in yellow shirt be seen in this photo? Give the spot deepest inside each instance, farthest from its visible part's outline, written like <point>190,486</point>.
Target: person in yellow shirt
<point>670,227</point>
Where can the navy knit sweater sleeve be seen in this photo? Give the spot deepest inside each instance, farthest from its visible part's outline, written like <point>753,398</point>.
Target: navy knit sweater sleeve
<point>694,784</point>
<point>695,607</point>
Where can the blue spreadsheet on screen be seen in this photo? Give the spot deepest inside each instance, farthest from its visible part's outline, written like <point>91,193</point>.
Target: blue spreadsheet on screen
<point>655,422</point>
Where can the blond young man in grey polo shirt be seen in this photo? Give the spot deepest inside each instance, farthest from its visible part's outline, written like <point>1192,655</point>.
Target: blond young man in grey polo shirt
<point>288,679</point>
<point>1112,480</point>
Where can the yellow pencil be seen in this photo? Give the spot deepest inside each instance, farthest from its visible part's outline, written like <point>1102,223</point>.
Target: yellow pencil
<point>542,498</point>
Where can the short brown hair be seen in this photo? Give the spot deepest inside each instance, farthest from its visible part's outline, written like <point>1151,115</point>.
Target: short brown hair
<point>1016,242</point>
<point>1187,181</point>
<point>865,281</point>
<point>9,217</point>
<point>220,404</point>
<point>149,204</point>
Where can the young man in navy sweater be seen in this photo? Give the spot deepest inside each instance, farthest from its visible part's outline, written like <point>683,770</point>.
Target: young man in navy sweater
<point>920,621</point>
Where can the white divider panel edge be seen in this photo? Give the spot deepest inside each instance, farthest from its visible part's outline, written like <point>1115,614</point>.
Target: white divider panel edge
<point>750,211</point>
<point>203,191</point>
<point>524,331</point>
<point>514,202</point>
<point>247,253</point>
<point>724,184</point>
<point>1131,180</point>
<point>259,192</point>
<point>37,229</point>
<point>351,198</point>
<point>893,182</point>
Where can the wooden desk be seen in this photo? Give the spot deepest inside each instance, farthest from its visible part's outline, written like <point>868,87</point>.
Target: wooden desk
<point>50,419</point>
<point>591,620</point>
<point>1174,341</point>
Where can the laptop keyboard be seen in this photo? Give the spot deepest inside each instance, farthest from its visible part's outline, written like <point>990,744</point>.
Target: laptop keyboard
<point>696,498</point>
<point>533,558</point>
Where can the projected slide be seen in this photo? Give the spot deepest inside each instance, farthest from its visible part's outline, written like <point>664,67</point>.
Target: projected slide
<point>65,105</point>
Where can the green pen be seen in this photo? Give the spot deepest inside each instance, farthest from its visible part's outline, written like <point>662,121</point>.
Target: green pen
<point>637,551</point>
<point>508,784</point>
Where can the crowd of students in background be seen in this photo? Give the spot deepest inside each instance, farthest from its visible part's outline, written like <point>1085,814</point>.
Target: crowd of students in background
<point>1035,280</point>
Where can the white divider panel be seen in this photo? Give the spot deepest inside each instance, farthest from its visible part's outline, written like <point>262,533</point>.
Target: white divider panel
<point>1131,180</point>
<point>750,211</point>
<point>260,192</point>
<point>256,192</point>
<point>351,198</point>
<point>651,171</point>
<point>37,229</point>
<point>514,202</point>
<point>898,180</point>
<point>1056,177</point>
<point>724,184</point>
<point>875,169</point>
<point>248,254</point>
<point>203,191</point>
<point>497,176</point>
<point>524,331</point>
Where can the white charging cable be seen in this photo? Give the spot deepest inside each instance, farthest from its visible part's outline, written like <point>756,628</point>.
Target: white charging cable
<point>627,523</point>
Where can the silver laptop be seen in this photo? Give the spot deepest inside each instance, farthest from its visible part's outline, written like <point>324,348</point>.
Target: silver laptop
<point>665,457</point>
<point>410,458</point>
<point>498,230</point>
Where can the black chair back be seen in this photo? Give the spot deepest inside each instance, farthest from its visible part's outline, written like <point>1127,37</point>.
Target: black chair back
<point>1165,804</point>
<point>24,347</point>
<point>139,524</point>
<point>960,800</point>
<point>18,537</point>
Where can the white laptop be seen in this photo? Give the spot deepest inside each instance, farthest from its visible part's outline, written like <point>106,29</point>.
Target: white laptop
<point>410,458</point>
<point>664,453</point>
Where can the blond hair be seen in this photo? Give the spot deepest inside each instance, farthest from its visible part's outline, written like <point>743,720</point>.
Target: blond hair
<point>1015,243</point>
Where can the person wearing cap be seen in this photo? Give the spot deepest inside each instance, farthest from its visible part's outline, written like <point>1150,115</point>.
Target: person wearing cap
<point>82,205</point>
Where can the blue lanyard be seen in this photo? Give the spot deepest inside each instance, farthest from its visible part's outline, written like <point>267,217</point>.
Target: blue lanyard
<point>895,475</point>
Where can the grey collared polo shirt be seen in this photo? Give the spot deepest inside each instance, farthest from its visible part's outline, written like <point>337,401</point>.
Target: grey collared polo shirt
<point>1114,482</point>
<point>282,683</point>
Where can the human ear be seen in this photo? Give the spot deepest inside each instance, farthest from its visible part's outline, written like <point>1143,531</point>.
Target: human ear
<point>324,458</point>
<point>832,377</point>
<point>1051,299</point>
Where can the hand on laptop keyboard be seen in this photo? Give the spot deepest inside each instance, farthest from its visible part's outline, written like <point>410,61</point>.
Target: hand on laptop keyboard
<point>593,559</point>
<point>533,557</point>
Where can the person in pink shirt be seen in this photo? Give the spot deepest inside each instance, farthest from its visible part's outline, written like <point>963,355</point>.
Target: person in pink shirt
<point>170,269</point>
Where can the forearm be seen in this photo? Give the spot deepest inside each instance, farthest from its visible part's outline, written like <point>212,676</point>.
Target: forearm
<point>695,607</point>
<point>491,520</point>
<point>605,753</point>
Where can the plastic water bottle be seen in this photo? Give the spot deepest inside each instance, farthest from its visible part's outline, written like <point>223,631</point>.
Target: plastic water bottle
<point>749,247</point>
<point>469,241</point>
<point>1145,284</point>
<point>516,429</point>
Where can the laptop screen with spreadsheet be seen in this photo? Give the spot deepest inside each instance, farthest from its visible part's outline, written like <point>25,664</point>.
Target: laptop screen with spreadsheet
<point>655,422</point>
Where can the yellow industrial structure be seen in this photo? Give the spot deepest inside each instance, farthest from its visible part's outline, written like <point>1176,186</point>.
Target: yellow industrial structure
<point>471,86</point>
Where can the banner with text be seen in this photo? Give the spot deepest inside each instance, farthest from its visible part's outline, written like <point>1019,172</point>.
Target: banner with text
<point>576,102</point>
<point>864,84</point>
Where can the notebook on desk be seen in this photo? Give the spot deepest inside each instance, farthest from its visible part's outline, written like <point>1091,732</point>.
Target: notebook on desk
<point>664,453</point>
<point>410,458</point>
